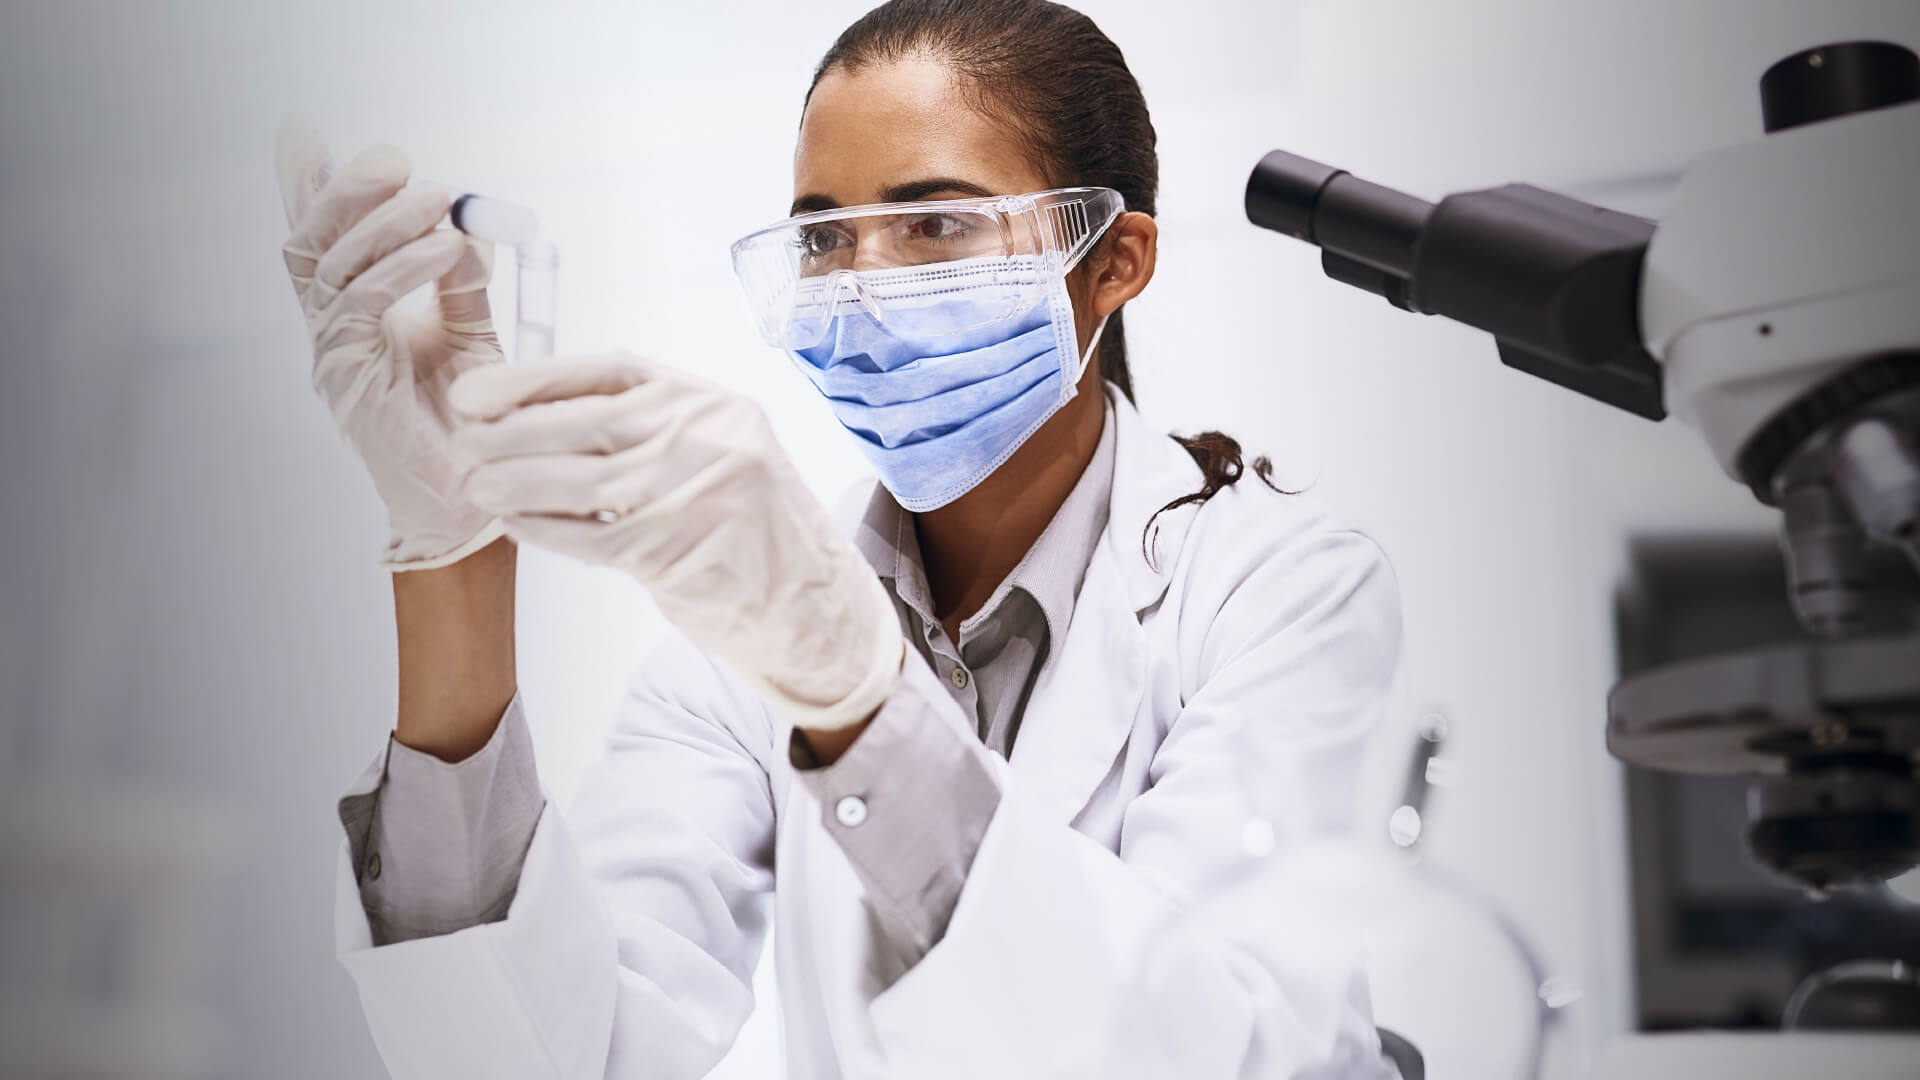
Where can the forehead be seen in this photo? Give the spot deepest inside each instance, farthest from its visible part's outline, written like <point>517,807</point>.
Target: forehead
<point>899,123</point>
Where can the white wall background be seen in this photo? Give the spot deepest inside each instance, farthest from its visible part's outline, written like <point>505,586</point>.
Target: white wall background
<point>190,618</point>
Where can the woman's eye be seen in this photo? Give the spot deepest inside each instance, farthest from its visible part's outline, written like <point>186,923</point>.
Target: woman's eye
<point>815,243</point>
<point>936,227</point>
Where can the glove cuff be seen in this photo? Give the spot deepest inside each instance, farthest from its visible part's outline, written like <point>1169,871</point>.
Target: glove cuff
<point>886,651</point>
<point>398,562</point>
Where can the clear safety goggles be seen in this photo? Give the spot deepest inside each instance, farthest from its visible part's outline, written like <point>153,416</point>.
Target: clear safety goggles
<point>894,257</point>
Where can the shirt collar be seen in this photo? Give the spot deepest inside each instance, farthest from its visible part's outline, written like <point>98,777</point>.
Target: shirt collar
<point>1052,569</point>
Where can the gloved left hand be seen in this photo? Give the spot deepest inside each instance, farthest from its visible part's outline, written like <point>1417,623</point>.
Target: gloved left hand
<point>696,499</point>
<point>359,243</point>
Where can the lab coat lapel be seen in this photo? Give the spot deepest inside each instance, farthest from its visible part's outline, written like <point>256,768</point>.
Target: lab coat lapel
<point>1089,696</point>
<point>1084,702</point>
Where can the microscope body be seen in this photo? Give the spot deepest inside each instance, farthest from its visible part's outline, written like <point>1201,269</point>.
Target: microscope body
<point>1781,263</point>
<point>1775,309</point>
<point>1781,295</point>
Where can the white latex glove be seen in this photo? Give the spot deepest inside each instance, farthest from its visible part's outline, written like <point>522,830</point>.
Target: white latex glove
<point>698,501</point>
<point>360,242</point>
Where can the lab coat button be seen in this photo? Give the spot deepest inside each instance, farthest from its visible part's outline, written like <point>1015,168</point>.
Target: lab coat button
<point>373,867</point>
<point>851,810</point>
<point>959,678</point>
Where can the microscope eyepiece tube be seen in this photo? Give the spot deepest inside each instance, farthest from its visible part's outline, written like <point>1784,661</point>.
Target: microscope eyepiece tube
<point>1371,224</point>
<point>1555,280</point>
<point>1357,220</point>
<point>1284,191</point>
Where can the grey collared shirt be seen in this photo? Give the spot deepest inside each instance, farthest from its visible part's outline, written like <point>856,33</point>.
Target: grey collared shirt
<point>438,847</point>
<point>992,668</point>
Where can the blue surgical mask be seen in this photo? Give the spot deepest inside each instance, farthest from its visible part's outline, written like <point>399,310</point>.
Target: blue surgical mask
<point>936,410</point>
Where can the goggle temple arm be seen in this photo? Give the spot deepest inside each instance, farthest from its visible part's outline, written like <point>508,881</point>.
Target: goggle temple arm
<point>1084,218</point>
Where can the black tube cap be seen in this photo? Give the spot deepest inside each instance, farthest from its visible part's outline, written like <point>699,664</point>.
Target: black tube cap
<point>458,212</point>
<point>1837,80</point>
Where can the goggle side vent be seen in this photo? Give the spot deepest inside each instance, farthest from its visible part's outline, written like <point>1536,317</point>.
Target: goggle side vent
<point>1066,223</point>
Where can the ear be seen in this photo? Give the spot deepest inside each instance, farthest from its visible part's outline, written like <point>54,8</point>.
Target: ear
<point>1124,262</point>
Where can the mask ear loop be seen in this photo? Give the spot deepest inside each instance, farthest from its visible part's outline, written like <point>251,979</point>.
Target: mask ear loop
<point>1092,344</point>
<point>1080,250</point>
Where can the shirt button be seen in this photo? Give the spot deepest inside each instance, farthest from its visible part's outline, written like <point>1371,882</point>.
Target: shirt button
<point>851,810</point>
<point>959,678</point>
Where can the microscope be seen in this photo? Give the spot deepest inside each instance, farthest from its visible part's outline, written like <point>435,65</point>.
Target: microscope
<point>1775,309</point>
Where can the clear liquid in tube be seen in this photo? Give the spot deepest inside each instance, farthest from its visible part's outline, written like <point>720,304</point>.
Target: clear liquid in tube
<point>532,341</point>
<point>538,264</point>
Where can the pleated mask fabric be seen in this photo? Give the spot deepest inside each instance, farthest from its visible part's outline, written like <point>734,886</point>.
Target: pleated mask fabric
<point>935,409</point>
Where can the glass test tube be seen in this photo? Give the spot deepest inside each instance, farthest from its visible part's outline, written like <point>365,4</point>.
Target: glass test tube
<point>536,262</point>
<point>535,299</point>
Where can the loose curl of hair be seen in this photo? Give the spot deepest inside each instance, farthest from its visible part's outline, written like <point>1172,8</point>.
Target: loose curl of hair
<point>1051,76</point>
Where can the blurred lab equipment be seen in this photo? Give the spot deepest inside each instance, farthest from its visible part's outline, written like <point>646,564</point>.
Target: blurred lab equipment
<point>1776,307</point>
<point>1443,930</point>
<point>1868,995</point>
<point>109,932</point>
<point>1719,940</point>
<point>1457,989</point>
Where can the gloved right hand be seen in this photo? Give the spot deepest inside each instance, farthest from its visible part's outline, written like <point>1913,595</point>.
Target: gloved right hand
<point>360,241</point>
<point>637,465</point>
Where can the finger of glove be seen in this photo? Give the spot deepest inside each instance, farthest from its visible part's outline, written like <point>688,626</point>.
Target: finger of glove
<point>357,310</point>
<point>463,289</point>
<point>400,220</point>
<point>647,551</point>
<point>301,163</point>
<point>592,424</point>
<point>574,485</point>
<point>375,175</point>
<point>492,392</point>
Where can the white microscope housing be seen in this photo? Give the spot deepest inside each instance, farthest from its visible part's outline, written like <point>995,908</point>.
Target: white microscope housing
<point>1781,263</point>
<point>1776,310</point>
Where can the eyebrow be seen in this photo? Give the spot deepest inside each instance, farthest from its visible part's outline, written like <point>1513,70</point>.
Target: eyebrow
<point>912,191</point>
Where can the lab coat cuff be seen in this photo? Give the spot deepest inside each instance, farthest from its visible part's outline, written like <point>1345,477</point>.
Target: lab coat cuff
<point>437,847</point>
<point>530,995</point>
<point>908,803</point>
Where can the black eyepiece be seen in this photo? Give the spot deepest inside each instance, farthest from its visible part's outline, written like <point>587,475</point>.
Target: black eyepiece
<point>1837,80</point>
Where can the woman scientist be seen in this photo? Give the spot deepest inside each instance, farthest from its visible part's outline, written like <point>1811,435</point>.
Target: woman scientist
<point>980,745</point>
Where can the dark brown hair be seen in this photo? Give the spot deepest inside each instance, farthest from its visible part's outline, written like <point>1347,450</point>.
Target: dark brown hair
<point>1050,75</point>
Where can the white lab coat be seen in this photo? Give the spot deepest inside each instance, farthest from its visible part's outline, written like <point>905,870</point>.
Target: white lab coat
<point>1260,644</point>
